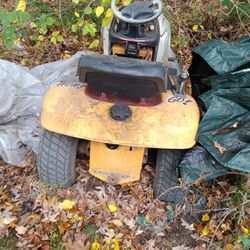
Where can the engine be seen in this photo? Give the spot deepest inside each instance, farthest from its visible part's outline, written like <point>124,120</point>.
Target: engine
<point>134,40</point>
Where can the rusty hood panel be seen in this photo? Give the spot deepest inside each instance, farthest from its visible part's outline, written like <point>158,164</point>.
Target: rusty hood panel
<point>171,124</point>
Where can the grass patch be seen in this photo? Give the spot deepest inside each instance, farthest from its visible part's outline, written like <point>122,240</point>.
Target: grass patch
<point>8,243</point>
<point>56,242</point>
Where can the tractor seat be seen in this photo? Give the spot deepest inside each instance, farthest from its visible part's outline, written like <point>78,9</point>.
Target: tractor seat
<point>122,76</point>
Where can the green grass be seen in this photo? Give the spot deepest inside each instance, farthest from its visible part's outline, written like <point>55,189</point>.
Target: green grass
<point>8,243</point>
<point>55,242</point>
<point>91,229</point>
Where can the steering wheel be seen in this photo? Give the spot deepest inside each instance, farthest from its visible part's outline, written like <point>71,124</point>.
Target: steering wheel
<point>138,12</point>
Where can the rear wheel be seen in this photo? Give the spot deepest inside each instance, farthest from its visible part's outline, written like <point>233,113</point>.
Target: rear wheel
<point>56,159</point>
<point>166,176</point>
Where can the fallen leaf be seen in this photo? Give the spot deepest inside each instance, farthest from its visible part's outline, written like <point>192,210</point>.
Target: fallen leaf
<point>205,230</point>
<point>195,28</point>
<point>67,204</point>
<point>53,40</point>
<point>95,246</point>
<point>202,27</point>
<point>112,208</point>
<point>228,247</point>
<point>130,223</point>
<point>7,220</point>
<point>74,220</point>
<point>224,29</point>
<point>117,223</point>
<point>205,218</point>
<point>21,230</point>
<point>244,230</point>
<point>198,228</point>
<point>188,226</point>
<point>219,147</point>
<point>66,56</point>
<point>238,240</point>
<point>138,232</point>
<point>64,226</point>
<point>235,125</point>
<point>13,225</point>
<point>200,248</point>
<point>225,227</point>
<point>81,242</point>
<point>117,247</point>
<point>33,25</point>
<point>45,247</point>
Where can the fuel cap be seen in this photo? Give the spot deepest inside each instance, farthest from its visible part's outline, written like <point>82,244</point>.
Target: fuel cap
<point>120,112</point>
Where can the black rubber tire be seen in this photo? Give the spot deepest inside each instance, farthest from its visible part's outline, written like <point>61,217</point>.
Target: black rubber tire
<point>166,176</point>
<point>56,159</point>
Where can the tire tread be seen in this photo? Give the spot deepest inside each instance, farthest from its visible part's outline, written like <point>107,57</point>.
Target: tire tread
<point>56,159</point>
<point>166,176</point>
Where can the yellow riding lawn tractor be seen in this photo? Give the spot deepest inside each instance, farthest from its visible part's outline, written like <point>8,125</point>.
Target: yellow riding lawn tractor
<point>130,102</point>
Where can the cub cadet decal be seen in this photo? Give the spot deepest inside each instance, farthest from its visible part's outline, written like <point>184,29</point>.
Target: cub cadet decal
<point>181,100</point>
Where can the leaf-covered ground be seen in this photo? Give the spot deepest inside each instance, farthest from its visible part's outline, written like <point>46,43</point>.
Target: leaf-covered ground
<point>95,215</point>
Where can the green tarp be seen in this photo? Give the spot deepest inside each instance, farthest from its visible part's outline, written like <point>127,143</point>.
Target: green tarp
<point>224,57</point>
<point>220,73</point>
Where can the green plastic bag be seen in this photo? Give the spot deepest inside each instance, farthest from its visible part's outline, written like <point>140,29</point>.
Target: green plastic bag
<point>221,73</point>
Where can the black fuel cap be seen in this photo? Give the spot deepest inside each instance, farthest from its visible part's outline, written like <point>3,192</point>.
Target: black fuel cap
<point>120,112</point>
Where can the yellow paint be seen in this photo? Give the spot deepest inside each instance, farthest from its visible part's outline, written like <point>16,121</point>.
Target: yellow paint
<point>117,166</point>
<point>171,124</point>
<point>152,27</point>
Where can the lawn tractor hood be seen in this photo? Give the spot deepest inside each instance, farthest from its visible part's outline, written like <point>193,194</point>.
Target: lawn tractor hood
<point>68,108</point>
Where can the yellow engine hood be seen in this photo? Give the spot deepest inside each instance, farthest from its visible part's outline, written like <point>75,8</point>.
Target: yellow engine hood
<point>171,124</point>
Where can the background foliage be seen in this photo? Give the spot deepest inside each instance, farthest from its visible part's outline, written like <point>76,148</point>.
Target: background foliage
<point>67,26</point>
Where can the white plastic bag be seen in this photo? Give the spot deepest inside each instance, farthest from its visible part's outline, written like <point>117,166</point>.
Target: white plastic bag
<point>21,98</point>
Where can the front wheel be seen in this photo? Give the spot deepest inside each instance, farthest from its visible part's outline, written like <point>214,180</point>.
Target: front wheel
<point>166,183</point>
<point>56,159</point>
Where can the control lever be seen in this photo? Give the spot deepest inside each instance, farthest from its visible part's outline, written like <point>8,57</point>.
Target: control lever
<point>173,59</point>
<point>183,76</point>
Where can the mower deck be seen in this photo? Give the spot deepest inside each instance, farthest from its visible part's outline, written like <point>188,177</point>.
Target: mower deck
<point>119,165</point>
